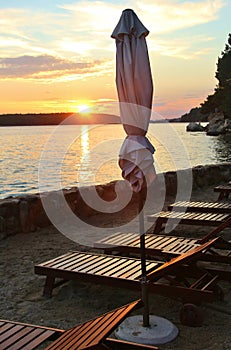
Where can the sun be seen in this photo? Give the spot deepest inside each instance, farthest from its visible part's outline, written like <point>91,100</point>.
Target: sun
<point>84,108</point>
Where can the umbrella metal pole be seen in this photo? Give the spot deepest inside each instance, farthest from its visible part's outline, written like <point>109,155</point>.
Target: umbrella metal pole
<point>144,287</point>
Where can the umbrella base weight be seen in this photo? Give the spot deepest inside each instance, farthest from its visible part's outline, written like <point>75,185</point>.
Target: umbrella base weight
<point>161,331</point>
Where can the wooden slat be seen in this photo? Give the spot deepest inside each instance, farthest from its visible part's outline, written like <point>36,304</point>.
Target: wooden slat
<point>210,283</point>
<point>168,244</point>
<point>96,264</point>
<point>100,265</point>
<point>164,268</point>
<point>196,218</point>
<point>222,188</point>
<point>117,268</point>
<point>16,336</point>
<point>218,207</point>
<point>156,239</point>
<point>93,332</point>
<point>113,239</point>
<point>59,259</point>
<point>69,262</point>
<point>165,242</point>
<point>32,340</point>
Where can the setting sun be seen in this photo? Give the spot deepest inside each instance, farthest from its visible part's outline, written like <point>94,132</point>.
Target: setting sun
<point>83,109</point>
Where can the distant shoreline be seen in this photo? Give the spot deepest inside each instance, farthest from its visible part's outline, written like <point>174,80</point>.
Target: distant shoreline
<point>44,119</point>
<point>31,119</point>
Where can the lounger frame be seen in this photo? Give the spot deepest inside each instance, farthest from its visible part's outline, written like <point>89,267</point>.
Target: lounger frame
<point>185,280</point>
<point>92,334</point>
<point>223,190</point>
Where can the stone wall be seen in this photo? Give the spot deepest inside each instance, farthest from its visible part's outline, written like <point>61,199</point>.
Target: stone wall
<point>26,213</point>
<point>202,176</point>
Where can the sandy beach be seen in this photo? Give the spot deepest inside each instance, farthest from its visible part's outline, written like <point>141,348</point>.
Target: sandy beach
<point>21,290</point>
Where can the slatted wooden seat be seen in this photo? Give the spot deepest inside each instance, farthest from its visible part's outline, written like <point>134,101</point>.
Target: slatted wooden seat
<point>223,190</point>
<point>183,258</point>
<point>16,336</point>
<point>92,267</point>
<point>162,246</point>
<point>207,207</point>
<point>188,218</point>
<point>123,272</point>
<point>155,244</point>
<point>92,334</point>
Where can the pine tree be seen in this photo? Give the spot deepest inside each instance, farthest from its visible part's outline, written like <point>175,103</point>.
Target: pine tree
<point>221,99</point>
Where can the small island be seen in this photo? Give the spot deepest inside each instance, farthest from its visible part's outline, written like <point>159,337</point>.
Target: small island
<point>57,118</point>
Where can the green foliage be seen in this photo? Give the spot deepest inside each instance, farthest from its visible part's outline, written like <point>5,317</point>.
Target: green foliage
<point>221,99</point>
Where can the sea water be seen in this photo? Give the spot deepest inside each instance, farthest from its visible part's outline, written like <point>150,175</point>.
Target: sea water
<point>41,158</point>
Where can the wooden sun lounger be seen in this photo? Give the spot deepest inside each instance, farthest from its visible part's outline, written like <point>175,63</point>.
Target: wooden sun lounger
<point>162,246</point>
<point>92,334</point>
<point>123,272</point>
<point>188,218</point>
<point>207,207</point>
<point>16,335</point>
<point>223,190</point>
<point>167,247</point>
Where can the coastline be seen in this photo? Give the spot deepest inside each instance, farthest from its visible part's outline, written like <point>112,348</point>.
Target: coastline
<point>27,213</point>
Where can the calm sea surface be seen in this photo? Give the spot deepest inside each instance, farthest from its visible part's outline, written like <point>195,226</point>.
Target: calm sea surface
<point>39,158</point>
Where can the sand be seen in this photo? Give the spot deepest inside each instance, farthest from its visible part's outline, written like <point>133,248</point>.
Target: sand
<point>21,290</point>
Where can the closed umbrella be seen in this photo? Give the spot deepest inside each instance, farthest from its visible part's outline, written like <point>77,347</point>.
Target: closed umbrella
<point>135,92</point>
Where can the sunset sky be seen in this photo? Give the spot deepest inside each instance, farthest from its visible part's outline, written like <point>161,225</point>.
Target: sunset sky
<point>57,55</point>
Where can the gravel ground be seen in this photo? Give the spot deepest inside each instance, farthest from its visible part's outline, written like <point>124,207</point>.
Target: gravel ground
<point>21,291</point>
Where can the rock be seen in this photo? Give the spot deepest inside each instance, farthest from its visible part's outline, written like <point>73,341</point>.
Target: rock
<point>23,215</point>
<point>215,130</point>
<point>171,182</point>
<point>213,118</point>
<point>218,124</point>
<point>195,127</point>
<point>2,228</point>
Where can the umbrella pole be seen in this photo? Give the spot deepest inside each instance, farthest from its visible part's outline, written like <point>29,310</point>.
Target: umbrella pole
<point>144,286</point>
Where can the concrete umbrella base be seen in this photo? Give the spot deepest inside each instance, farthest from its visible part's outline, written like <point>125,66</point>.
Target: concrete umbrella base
<point>161,331</point>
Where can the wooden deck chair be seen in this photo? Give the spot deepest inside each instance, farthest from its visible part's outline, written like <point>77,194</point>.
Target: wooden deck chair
<point>223,190</point>
<point>186,218</point>
<point>202,207</point>
<point>124,272</point>
<point>92,334</point>
<point>166,247</point>
<point>17,336</point>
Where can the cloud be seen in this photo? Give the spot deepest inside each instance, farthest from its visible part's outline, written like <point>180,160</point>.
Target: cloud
<point>160,15</point>
<point>49,67</point>
<point>162,18</point>
<point>171,15</point>
<point>84,27</point>
<point>179,105</point>
<point>184,48</point>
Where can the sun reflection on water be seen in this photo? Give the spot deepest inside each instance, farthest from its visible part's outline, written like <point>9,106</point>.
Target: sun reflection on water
<point>93,155</point>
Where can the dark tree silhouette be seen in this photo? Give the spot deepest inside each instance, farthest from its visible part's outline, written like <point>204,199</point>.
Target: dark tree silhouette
<point>221,99</point>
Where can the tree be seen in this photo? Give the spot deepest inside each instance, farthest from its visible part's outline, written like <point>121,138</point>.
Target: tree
<point>223,73</point>
<point>221,99</point>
